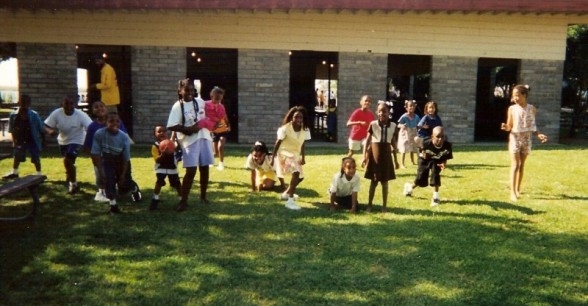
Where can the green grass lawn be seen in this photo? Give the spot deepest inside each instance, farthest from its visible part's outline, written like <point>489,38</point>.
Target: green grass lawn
<point>476,248</point>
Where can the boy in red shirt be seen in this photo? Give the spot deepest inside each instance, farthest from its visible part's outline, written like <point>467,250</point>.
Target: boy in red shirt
<point>359,122</point>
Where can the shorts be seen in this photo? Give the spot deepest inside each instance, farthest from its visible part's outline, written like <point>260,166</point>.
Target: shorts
<point>174,179</point>
<point>424,168</point>
<point>217,137</point>
<point>355,145</point>
<point>261,176</point>
<point>20,152</point>
<point>520,143</point>
<point>70,151</point>
<point>198,154</point>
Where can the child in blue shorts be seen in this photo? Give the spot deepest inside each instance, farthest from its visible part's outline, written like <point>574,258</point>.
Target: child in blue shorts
<point>27,131</point>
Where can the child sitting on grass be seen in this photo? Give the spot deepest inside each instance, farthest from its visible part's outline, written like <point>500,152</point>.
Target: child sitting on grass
<point>345,186</point>
<point>263,175</point>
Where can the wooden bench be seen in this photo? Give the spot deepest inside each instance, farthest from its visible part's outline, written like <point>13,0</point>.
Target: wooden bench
<point>30,182</point>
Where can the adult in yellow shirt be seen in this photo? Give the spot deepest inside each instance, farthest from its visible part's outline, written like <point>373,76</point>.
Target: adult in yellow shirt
<point>108,85</point>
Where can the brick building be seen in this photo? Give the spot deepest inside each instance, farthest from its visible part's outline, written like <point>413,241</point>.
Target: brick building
<point>268,54</point>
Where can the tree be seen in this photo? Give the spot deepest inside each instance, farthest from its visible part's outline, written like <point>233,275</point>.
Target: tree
<point>575,78</point>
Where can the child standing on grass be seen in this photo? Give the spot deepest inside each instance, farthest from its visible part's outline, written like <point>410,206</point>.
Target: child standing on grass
<point>377,156</point>
<point>215,111</point>
<point>111,152</point>
<point>436,151</point>
<point>520,122</point>
<point>358,123</point>
<point>263,175</point>
<point>27,129</point>
<point>289,151</point>
<point>429,121</point>
<point>407,131</point>
<point>165,166</point>
<point>345,186</point>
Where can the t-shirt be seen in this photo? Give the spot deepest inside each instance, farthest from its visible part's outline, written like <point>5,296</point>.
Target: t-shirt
<point>117,144</point>
<point>192,114</point>
<point>431,122</point>
<point>72,128</point>
<point>438,155</point>
<point>95,126</point>
<point>358,132</point>
<point>343,187</point>
<point>264,167</point>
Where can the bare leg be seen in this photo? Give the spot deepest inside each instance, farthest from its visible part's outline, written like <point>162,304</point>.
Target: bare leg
<point>384,196</point>
<point>221,149</point>
<point>523,158</point>
<point>204,177</point>
<point>186,187</point>
<point>372,191</point>
<point>514,175</point>
<point>70,170</point>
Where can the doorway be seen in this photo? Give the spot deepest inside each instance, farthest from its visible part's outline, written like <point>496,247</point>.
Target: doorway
<point>119,57</point>
<point>313,84</point>
<point>409,78</point>
<point>496,77</point>
<point>210,67</point>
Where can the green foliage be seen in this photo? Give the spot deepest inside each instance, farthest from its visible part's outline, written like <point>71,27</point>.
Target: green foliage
<point>476,248</point>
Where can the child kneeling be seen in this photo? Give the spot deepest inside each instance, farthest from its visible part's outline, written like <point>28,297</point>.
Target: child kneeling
<point>111,152</point>
<point>345,186</point>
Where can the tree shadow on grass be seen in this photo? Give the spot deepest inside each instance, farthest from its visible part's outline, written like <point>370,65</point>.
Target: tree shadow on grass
<point>248,249</point>
<point>497,205</point>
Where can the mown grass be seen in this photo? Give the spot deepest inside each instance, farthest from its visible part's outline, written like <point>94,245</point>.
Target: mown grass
<point>477,248</point>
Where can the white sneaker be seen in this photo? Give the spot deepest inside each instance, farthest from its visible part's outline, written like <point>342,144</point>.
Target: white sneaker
<point>220,167</point>
<point>290,204</point>
<point>285,196</point>
<point>435,202</point>
<point>100,197</point>
<point>407,189</point>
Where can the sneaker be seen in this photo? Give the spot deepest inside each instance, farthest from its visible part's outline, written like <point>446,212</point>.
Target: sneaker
<point>114,209</point>
<point>407,190</point>
<point>290,204</point>
<point>154,204</point>
<point>220,167</point>
<point>73,189</point>
<point>136,195</point>
<point>100,197</point>
<point>284,196</point>
<point>435,202</point>
<point>10,176</point>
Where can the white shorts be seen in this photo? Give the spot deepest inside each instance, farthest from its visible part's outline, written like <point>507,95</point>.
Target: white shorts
<point>198,154</point>
<point>356,145</point>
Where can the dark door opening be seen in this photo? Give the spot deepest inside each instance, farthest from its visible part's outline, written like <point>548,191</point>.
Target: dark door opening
<point>408,79</point>
<point>119,57</point>
<point>496,77</point>
<point>211,67</point>
<point>313,84</point>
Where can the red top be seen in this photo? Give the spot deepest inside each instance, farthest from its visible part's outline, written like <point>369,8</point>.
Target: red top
<point>359,132</point>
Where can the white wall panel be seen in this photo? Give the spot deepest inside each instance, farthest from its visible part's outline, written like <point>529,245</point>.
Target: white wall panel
<point>472,35</point>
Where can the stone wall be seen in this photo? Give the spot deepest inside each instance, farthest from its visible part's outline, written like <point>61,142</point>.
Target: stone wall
<point>544,78</point>
<point>155,72</point>
<point>264,81</point>
<point>359,74</point>
<point>47,73</point>
<point>453,87</point>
